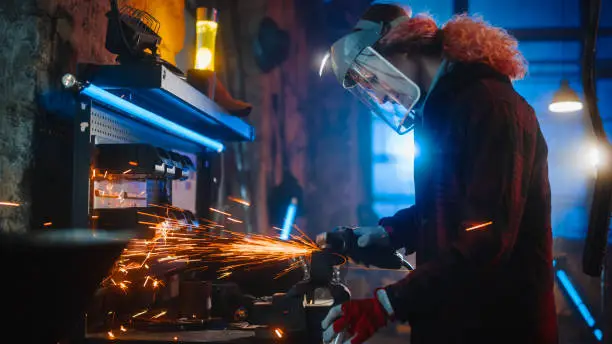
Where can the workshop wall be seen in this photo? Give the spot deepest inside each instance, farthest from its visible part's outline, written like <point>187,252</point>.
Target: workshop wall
<point>49,38</point>
<point>46,38</point>
<point>320,131</point>
<point>18,66</point>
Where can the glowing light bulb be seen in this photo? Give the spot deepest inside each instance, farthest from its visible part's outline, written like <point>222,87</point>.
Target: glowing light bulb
<point>569,106</point>
<point>595,158</point>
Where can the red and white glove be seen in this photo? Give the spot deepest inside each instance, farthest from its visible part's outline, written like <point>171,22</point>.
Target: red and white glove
<point>360,319</point>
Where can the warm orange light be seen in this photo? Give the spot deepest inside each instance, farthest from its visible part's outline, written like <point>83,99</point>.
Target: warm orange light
<point>220,212</point>
<point>279,332</point>
<point>204,59</point>
<point>140,313</point>
<point>127,171</point>
<point>159,315</point>
<point>234,220</point>
<point>133,163</point>
<point>10,204</point>
<point>123,329</point>
<point>110,334</point>
<point>479,226</point>
<point>239,201</point>
<point>47,224</point>
<point>206,37</point>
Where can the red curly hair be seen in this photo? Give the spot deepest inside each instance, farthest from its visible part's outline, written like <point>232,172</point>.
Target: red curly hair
<point>463,38</point>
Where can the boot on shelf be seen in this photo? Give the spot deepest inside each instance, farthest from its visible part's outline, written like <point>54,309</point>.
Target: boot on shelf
<point>206,82</point>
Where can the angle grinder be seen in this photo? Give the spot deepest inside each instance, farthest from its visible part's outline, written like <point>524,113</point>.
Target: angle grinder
<point>343,241</point>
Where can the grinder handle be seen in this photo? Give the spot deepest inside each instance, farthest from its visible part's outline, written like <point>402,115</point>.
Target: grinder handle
<point>344,241</point>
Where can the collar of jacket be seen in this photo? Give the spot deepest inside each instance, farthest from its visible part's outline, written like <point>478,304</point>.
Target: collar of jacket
<point>460,77</point>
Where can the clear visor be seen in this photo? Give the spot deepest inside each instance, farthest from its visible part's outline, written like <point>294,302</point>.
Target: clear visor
<point>384,89</point>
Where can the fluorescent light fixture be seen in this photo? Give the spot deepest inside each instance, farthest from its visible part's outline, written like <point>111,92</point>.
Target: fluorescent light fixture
<point>289,219</point>
<point>582,308</point>
<point>149,117</point>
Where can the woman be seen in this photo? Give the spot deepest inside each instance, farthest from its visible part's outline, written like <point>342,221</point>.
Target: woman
<point>481,221</point>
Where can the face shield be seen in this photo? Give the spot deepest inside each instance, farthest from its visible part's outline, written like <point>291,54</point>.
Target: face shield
<point>359,68</point>
<point>385,90</point>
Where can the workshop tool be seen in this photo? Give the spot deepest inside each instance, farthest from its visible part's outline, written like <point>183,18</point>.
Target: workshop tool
<point>297,312</point>
<point>343,241</point>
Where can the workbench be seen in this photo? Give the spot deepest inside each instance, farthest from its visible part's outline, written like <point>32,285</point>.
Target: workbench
<point>206,336</point>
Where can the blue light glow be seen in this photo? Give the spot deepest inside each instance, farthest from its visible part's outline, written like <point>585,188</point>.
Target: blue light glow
<point>105,97</point>
<point>598,334</point>
<point>573,294</point>
<point>289,220</point>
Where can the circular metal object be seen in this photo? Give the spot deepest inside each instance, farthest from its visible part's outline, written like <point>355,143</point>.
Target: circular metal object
<point>69,80</point>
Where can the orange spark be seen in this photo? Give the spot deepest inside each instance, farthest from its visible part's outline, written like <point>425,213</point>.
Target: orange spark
<point>224,274</point>
<point>95,217</point>
<point>220,212</point>
<point>133,163</point>
<point>127,171</point>
<point>47,224</point>
<point>10,204</point>
<point>140,313</point>
<point>110,334</point>
<point>123,286</point>
<point>239,201</point>
<point>105,173</point>
<point>279,332</point>
<point>122,329</point>
<point>161,314</point>
<point>234,220</point>
<point>479,226</point>
<point>175,241</point>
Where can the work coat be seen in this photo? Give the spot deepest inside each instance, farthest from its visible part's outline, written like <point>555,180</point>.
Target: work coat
<point>480,225</point>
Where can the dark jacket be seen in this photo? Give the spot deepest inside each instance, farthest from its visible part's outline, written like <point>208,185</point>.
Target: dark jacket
<point>482,161</point>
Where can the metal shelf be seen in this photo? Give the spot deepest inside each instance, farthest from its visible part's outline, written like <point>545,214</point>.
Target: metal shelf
<point>157,89</point>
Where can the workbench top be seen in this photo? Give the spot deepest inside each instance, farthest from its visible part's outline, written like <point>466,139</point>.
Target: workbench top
<point>206,336</point>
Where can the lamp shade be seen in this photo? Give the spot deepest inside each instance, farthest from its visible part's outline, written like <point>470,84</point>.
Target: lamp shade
<point>565,99</point>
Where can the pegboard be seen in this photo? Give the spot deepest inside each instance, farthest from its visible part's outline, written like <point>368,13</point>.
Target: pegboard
<point>108,127</point>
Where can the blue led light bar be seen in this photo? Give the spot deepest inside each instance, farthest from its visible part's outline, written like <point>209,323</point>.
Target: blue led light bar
<point>582,308</point>
<point>573,294</point>
<point>289,219</point>
<point>598,334</point>
<point>149,117</point>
